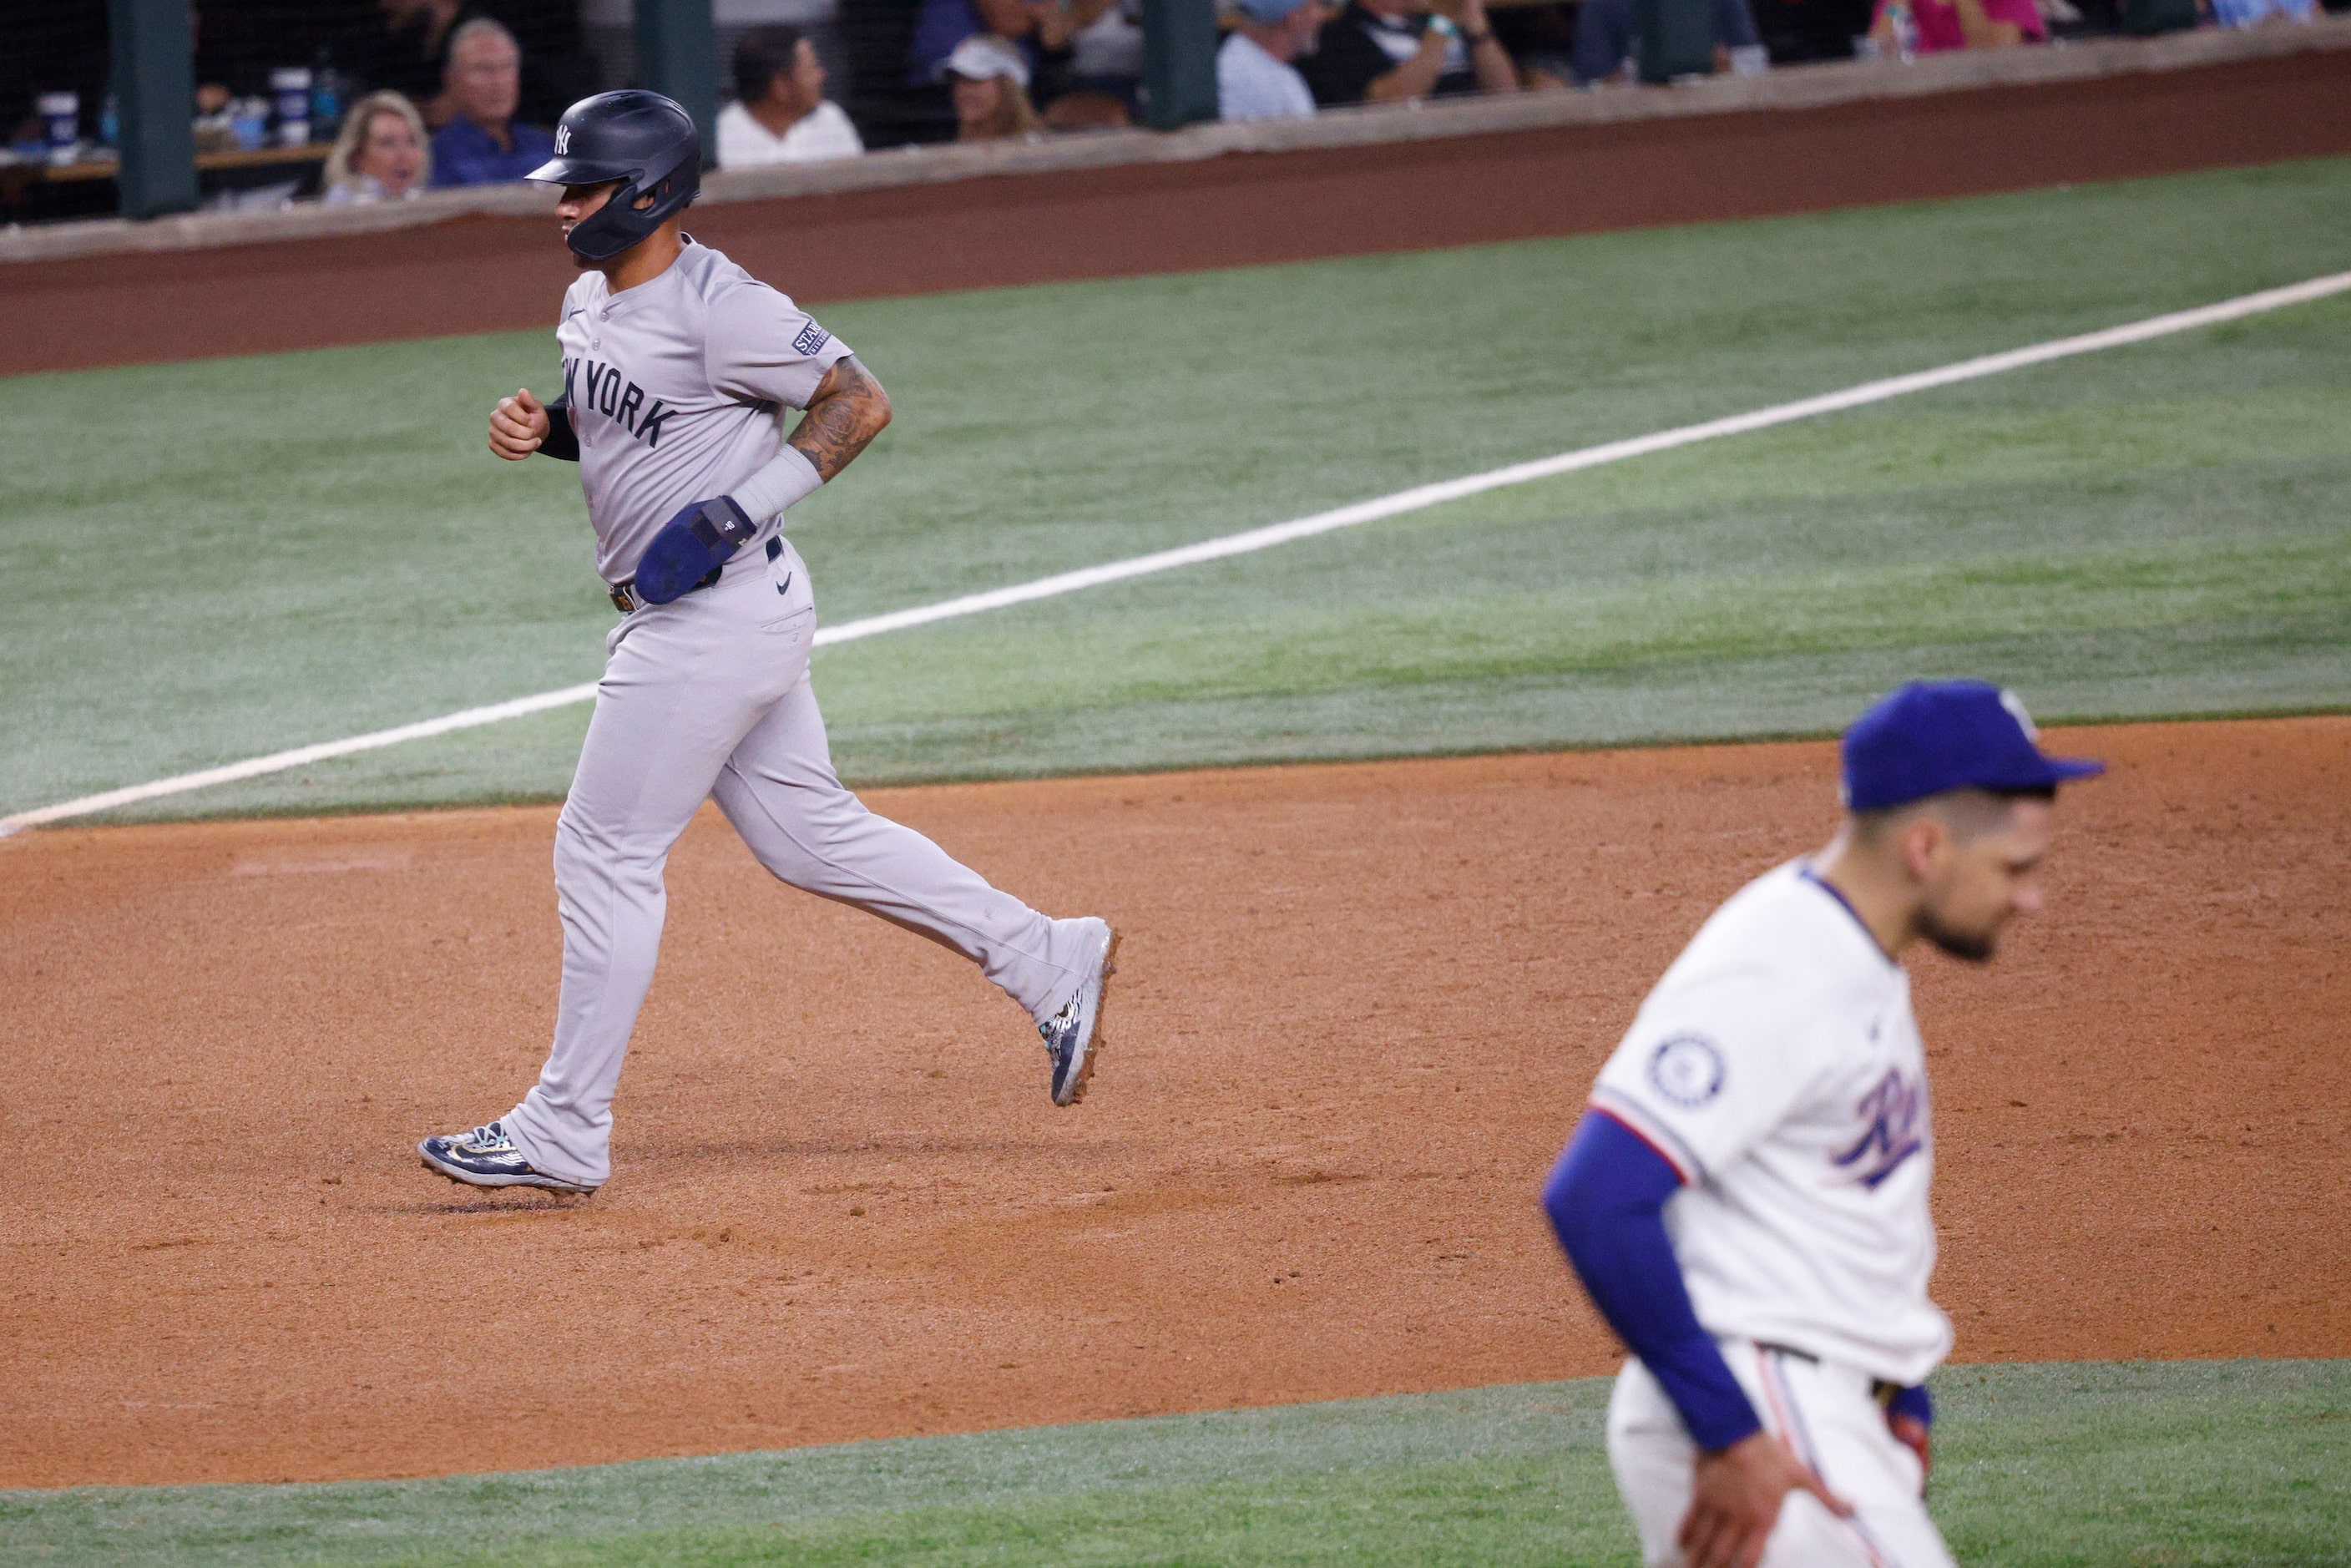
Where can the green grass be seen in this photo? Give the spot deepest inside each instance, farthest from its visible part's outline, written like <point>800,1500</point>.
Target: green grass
<point>216,559</point>
<point>2227,1462</point>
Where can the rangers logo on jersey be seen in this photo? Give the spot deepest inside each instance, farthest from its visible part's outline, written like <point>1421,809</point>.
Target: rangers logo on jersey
<point>1893,1108</point>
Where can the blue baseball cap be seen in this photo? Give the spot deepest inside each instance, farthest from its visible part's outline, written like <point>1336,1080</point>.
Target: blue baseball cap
<point>1933,735</point>
<point>1267,13</point>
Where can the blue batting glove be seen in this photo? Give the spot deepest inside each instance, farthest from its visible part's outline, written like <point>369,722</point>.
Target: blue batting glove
<point>690,547</point>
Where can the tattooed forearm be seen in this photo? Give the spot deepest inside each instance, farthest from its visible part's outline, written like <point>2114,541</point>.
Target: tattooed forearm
<point>848,409</point>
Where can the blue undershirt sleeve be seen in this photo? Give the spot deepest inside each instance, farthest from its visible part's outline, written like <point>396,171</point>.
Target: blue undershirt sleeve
<point>1607,1198</point>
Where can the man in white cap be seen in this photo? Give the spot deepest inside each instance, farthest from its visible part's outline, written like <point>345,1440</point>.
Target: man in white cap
<point>1255,78</point>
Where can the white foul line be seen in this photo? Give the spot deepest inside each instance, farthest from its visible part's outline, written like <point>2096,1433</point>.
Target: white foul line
<point>1413,500</point>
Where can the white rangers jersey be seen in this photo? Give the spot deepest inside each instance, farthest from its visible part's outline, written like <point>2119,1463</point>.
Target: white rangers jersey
<point>1778,1067</point>
<point>676,389</point>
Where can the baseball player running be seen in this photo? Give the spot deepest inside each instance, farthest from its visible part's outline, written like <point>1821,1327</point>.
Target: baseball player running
<point>677,365</point>
<point>1745,1197</point>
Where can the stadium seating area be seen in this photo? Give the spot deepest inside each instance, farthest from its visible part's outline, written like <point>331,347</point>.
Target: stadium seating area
<point>279,84</point>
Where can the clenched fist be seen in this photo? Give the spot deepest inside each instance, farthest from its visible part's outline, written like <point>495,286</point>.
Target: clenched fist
<point>517,425</point>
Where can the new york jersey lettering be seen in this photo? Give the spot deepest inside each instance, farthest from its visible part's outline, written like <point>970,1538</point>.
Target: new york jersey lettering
<point>679,390</point>
<point>605,396</point>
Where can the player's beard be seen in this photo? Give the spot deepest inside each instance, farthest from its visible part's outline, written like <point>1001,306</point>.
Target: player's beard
<point>1968,947</point>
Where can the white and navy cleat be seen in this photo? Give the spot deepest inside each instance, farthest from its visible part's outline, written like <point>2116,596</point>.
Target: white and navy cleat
<point>487,1156</point>
<point>1073,1035</point>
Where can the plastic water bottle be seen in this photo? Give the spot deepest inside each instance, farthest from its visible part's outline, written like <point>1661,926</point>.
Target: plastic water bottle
<point>325,96</point>
<point>60,115</point>
<point>290,87</point>
<point>248,122</point>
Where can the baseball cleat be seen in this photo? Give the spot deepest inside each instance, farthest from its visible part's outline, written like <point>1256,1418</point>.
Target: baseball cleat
<point>487,1156</point>
<point>1072,1035</point>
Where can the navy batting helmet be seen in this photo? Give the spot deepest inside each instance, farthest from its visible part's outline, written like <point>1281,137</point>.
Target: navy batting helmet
<point>644,141</point>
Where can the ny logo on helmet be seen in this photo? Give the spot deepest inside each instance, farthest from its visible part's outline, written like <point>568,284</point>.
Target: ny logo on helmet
<point>562,140</point>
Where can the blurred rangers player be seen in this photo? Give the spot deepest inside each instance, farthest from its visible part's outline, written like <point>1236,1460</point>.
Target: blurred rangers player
<point>1746,1195</point>
<point>677,367</point>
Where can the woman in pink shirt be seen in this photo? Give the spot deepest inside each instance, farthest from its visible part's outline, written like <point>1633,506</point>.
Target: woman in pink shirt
<point>1937,25</point>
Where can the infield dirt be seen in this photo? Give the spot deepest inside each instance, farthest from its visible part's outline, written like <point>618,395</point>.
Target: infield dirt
<point>1358,1010</point>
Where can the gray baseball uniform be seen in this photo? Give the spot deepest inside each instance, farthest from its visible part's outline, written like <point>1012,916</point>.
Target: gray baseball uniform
<point>676,389</point>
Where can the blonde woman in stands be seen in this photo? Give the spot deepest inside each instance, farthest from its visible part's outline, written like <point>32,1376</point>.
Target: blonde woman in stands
<point>382,155</point>
<point>990,81</point>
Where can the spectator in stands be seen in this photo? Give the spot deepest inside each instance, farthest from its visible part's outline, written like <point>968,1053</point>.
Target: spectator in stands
<point>1071,37</point>
<point>1393,51</point>
<point>1604,41</point>
<point>1106,55</point>
<point>2253,13</point>
<point>780,114</point>
<point>380,155</point>
<point>482,144</point>
<point>410,53</point>
<point>1255,78</point>
<point>1936,25</point>
<point>213,94</point>
<point>1031,25</point>
<point>990,81</point>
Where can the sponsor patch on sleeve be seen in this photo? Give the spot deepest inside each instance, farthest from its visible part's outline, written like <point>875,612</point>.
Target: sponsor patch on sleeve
<point>1686,1070</point>
<point>812,338</point>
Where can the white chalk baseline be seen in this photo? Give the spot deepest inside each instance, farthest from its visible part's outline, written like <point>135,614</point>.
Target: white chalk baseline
<point>1253,540</point>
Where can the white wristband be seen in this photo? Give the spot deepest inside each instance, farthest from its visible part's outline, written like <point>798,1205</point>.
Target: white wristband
<point>790,477</point>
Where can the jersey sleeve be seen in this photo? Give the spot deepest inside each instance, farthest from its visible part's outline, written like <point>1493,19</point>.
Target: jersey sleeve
<point>762,347</point>
<point>1713,1066</point>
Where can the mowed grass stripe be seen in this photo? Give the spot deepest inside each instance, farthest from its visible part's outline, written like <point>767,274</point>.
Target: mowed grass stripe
<point>2110,550</point>
<point>1253,540</point>
<point>2060,1463</point>
<point>229,583</point>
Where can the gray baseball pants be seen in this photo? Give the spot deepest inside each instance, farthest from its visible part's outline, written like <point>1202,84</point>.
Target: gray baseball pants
<point>709,697</point>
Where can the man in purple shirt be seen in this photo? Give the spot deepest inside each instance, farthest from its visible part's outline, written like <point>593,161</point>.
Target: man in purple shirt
<point>482,144</point>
